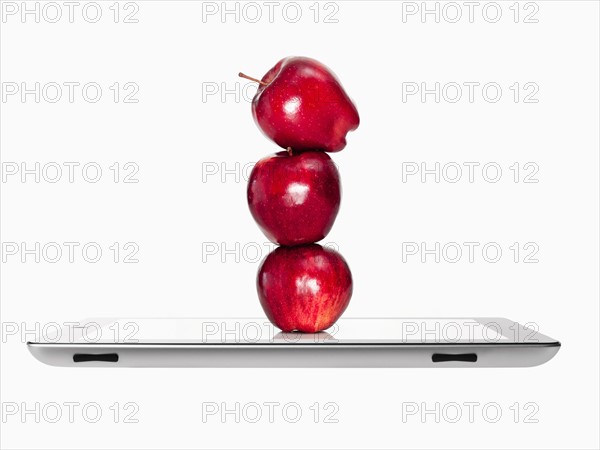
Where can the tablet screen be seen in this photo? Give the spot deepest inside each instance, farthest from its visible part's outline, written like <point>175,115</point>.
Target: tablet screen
<point>260,331</point>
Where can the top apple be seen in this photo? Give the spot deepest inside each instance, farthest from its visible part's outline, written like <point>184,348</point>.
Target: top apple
<point>301,104</point>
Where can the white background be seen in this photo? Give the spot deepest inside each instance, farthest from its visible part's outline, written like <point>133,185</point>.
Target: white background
<point>179,213</point>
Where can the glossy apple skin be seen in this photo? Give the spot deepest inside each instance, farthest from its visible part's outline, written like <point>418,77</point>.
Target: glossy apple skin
<point>304,106</point>
<point>304,288</point>
<point>295,199</point>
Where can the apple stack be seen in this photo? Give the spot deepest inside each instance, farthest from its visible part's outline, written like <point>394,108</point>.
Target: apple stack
<point>294,195</point>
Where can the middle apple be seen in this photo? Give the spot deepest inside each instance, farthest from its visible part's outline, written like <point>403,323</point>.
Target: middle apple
<point>295,197</point>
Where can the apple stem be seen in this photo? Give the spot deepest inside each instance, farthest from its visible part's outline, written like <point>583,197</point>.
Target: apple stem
<point>243,75</point>
<point>289,150</point>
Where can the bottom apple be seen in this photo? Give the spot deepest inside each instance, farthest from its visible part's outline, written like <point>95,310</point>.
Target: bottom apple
<point>304,288</point>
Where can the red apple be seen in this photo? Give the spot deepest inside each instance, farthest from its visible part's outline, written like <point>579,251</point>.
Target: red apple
<point>304,288</point>
<point>301,104</point>
<point>294,197</point>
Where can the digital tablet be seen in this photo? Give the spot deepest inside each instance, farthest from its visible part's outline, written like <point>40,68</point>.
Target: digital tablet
<point>255,342</point>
